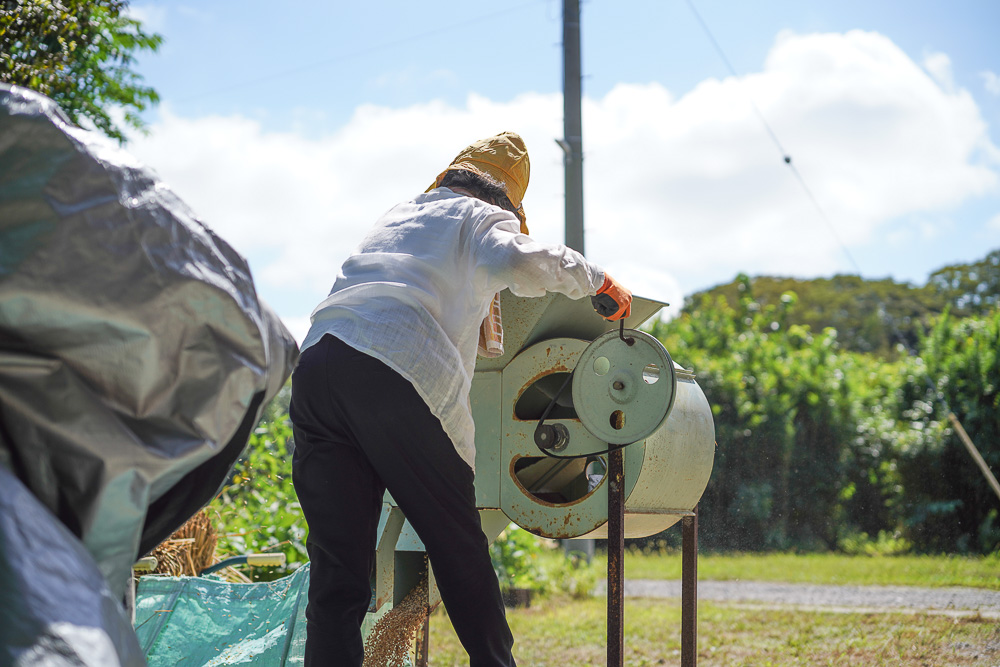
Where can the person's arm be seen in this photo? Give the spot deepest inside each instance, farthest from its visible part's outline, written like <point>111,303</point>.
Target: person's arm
<point>530,268</point>
<point>527,267</point>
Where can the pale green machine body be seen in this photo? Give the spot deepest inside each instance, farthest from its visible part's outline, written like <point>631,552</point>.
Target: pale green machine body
<point>545,339</point>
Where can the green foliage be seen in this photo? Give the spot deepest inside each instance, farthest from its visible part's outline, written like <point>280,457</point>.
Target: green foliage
<point>819,448</point>
<point>970,289</point>
<point>949,499</point>
<point>818,445</point>
<point>258,510</point>
<point>80,53</point>
<point>782,419</point>
<point>885,544</point>
<point>513,553</point>
<point>869,315</point>
<point>560,574</point>
<point>277,409</point>
<point>523,560</point>
<point>876,316</point>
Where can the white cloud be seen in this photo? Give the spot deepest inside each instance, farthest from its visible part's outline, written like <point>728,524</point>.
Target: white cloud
<point>152,17</point>
<point>913,231</point>
<point>939,67</point>
<point>680,193</point>
<point>991,81</point>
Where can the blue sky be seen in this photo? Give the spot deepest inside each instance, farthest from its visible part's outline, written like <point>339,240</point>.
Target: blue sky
<point>290,130</point>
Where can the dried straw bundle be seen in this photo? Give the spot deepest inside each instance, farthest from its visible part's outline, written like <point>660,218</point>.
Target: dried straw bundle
<point>389,643</point>
<point>189,550</point>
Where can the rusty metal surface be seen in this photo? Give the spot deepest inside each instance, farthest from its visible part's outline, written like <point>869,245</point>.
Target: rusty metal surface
<point>544,337</point>
<point>616,558</point>
<point>689,590</point>
<point>423,642</point>
<point>676,466</point>
<point>665,474</point>
<point>532,511</point>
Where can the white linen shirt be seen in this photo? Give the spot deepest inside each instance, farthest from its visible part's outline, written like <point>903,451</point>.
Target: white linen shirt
<point>416,290</point>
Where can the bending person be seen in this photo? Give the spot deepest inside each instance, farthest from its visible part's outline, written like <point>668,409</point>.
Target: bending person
<point>380,396</point>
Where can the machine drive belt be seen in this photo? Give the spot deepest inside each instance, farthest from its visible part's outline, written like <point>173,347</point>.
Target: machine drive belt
<point>547,437</point>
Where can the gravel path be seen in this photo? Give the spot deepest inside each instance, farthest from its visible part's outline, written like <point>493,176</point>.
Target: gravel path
<point>958,601</point>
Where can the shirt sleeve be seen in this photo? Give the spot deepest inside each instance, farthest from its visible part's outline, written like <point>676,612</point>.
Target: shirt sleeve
<point>528,268</point>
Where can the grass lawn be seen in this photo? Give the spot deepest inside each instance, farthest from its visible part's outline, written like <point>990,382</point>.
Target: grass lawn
<point>979,572</point>
<point>560,631</point>
<point>571,633</point>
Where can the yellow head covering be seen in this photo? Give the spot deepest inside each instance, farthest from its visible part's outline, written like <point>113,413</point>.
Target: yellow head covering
<point>505,158</point>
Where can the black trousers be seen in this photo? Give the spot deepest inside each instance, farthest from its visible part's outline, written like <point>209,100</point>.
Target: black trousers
<point>361,428</point>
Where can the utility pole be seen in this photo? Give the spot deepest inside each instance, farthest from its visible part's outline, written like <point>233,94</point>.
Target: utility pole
<point>572,143</point>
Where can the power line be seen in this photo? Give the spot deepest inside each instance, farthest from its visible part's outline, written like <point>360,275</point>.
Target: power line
<point>932,383</point>
<point>774,138</point>
<point>361,52</point>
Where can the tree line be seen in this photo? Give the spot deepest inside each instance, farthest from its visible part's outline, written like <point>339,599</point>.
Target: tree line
<point>833,441</point>
<point>877,316</point>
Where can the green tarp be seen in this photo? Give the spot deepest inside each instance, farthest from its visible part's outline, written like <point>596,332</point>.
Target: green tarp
<point>207,622</point>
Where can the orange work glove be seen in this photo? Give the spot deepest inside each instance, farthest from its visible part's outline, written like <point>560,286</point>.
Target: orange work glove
<point>613,302</point>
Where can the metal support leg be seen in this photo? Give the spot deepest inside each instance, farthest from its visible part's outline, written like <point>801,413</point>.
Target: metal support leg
<point>616,558</point>
<point>423,642</point>
<point>689,590</point>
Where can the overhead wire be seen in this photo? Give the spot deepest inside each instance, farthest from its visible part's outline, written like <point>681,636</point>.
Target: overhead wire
<point>785,156</point>
<point>787,159</point>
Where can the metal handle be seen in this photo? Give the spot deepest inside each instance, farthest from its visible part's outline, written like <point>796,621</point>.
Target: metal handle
<point>621,333</point>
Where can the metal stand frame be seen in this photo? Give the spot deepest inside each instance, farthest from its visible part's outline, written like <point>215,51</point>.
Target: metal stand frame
<point>616,558</point>
<point>423,642</point>
<point>689,589</point>
<point>616,577</point>
<point>616,572</point>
